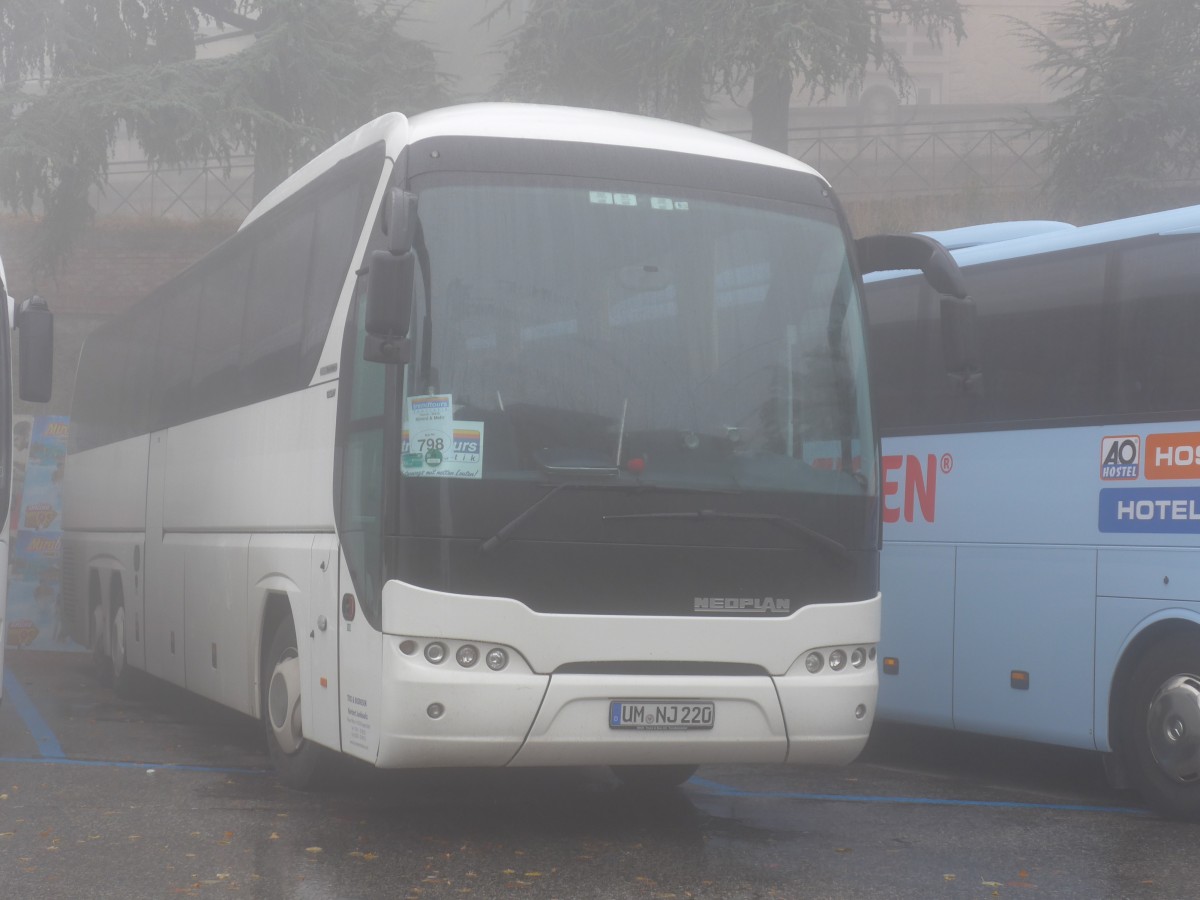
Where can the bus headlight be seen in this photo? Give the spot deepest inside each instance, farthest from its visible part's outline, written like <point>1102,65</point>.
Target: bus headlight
<point>467,655</point>
<point>814,662</point>
<point>496,659</point>
<point>435,652</point>
<point>837,660</point>
<point>858,658</point>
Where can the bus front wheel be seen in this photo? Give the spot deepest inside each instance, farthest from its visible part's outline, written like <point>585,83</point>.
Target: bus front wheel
<point>1160,727</point>
<point>299,762</point>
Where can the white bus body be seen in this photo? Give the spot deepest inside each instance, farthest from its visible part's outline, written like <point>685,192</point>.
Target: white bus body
<point>564,525</point>
<point>1042,514</point>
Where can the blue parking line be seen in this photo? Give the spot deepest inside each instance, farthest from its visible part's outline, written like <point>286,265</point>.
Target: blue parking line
<point>47,743</point>
<point>722,790</point>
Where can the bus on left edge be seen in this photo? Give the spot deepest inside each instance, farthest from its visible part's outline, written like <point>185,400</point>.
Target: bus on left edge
<point>34,324</point>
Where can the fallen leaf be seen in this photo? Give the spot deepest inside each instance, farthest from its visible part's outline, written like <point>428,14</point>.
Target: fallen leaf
<point>949,877</point>
<point>313,850</point>
<point>274,836</point>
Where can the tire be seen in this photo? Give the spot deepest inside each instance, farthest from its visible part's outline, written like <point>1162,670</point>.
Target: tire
<point>301,764</point>
<point>1159,727</point>
<point>100,636</point>
<point>122,677</point>
<point>653,778</point>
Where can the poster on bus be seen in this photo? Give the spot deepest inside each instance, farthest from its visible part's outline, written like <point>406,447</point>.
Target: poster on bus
<point>35,550</point>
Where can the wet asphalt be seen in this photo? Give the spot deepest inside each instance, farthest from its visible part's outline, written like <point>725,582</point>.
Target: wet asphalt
<point>164,795</point>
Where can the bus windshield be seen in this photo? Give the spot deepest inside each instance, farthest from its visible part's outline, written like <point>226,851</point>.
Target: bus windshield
<point>581,328</point>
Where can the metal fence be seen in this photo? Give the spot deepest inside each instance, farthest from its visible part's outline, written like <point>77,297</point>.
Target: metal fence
<point>861,161</point>
<point>190,193</point>
<point>895,160</point>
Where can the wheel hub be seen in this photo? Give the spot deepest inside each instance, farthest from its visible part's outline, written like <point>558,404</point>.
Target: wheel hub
<point>283,704</point>
<point>1173,727</point>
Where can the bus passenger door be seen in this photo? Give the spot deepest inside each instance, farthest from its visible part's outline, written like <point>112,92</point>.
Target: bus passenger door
<point>323,724</point>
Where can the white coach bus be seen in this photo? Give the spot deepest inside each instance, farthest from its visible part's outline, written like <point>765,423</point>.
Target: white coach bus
<point>35,324</point>
<point>491,438</point>
<point>1041,505</point>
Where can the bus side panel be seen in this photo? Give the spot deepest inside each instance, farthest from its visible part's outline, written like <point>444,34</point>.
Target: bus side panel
<point>165,559</point>
<point>215,619</point>
<point>104,520</point>
<point>266,467</point>
<point>1031,610</point>
<point>104,489</point>
<point>918,631</point>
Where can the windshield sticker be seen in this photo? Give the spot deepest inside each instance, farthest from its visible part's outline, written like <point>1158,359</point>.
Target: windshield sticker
<point>666,203</point>
<point>602,197</point>
<point>427,434</point>
<point>433,445</point>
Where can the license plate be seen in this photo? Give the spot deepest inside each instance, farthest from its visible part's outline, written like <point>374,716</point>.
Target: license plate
<point>661,715</point>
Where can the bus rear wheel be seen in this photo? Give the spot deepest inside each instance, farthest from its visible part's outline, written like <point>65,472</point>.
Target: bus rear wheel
<point>653,778</point>
<point>299,762</point>
<point>1160,727</point>
<point>122,675</point>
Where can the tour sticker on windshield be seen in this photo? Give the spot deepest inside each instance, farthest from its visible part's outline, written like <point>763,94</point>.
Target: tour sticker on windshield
<point>608,198</point>
<point>666,203</point>
<point>433,445</point>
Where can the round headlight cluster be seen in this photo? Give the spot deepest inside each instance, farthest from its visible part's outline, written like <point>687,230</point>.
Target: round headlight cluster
<point>467,655</point>
<point>839,659</point>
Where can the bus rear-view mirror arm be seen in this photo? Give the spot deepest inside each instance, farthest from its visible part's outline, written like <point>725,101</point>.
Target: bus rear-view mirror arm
<point>889,252</point>
<point>35,331</point>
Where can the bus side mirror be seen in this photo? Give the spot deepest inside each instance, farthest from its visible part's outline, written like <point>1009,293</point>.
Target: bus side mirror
<point>960,344</point>
<point>389,306</point>
<point>888,252</point>
<point>35,331</point>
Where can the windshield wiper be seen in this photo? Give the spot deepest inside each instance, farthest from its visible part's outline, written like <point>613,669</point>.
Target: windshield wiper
<point>630,487</point>
<point>816,537</point>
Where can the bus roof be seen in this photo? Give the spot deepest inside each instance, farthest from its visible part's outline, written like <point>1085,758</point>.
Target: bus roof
<point>990,233</point>
<point>1175,221</point>
<point>1185,220</point>
<point>532,122</point>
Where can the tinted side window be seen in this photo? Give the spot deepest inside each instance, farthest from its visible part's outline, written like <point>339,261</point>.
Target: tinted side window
<point>216,380</point>
<point>1160,320</point>
<point>274,323</point>
<point>340,215</point>
<point>1045,347</point>
<point>180,301</point>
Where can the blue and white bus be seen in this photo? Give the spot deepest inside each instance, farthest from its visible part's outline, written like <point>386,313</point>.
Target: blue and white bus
<point>1041,497</point>
<point>489,439</point>
<point>36,365</point>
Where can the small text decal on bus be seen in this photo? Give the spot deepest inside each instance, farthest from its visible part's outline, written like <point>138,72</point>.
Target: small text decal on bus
<point>1120,457</point>
<point>1173,455</point>
<point>915,481</point>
